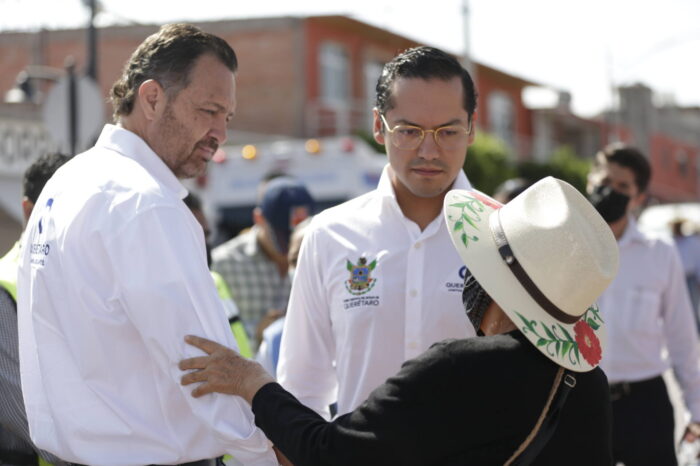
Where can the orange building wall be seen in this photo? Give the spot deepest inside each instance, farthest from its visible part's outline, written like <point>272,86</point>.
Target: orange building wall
<point>667,181</point>
<point>361,42</point>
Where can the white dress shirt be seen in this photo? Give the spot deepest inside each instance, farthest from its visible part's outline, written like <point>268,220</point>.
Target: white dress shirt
<point>344,342</point>
<point>689,249</point>
<point>647,311</point>
<point>112,277</point>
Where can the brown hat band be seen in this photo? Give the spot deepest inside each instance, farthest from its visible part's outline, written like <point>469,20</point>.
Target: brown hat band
<point>511,261</point>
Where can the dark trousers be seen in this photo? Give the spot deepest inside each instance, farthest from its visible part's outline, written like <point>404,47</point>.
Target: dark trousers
<point>642,424</point>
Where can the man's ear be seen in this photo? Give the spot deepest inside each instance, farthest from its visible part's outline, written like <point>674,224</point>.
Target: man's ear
<point>377,126</point>
<point>595,177</point>
<point>640,200</point>
<point>27,207</point>
<point>472,132</point>
<point>258,218</point>
<point>151,98</point>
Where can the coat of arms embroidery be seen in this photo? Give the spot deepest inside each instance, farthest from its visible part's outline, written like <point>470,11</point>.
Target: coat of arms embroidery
<point>360,281</point>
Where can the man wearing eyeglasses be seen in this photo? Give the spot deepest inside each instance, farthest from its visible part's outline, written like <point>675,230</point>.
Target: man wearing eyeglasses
<point>377,281</point>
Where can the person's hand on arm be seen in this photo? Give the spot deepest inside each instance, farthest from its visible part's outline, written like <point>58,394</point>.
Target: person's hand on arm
<point>222,370</point>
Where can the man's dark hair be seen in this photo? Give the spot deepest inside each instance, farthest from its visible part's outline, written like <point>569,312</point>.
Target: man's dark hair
<point>628,157</point>
<point>168,57</point>
<point>39,172</point>
<point>424,63</point>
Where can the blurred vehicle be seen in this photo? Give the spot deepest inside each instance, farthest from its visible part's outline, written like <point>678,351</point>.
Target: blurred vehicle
<point>334,170</point>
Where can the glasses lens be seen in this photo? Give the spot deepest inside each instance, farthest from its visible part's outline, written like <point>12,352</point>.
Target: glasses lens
<point>407,137</point>
<point>451,137</point>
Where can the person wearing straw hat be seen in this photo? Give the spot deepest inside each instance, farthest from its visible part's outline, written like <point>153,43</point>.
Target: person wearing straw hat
<point>528,391</point>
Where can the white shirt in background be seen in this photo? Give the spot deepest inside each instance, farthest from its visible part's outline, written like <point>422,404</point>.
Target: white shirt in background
<point>112,277</point>
<point>647,310</point>
<point>341,343</point>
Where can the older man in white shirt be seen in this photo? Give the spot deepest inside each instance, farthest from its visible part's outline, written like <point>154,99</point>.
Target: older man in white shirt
<point>114,273</point>
<point>377,281</point>
<point>650,323</point>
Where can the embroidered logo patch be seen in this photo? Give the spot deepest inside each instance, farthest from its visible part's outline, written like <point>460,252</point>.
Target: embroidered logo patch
<point>360,281</point>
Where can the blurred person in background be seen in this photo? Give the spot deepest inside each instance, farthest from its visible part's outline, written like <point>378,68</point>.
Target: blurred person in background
<point>194,203</point>
<point>254,264</point>
<point>269,350</point>
<point>525,391</point>
<point>651,326</point>
<point>16,447</point>
<point>378,281</point>
<point>688,244</point>
<point>114,273</point>
<point>509,189</point>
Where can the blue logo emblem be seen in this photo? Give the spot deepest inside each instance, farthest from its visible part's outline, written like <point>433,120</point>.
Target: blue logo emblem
<point>49,203</point>
<point>360,281</point>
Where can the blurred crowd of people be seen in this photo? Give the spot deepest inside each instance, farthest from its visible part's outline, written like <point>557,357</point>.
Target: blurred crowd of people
<point>395,328</point>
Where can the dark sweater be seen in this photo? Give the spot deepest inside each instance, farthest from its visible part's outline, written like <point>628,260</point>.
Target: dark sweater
<point>462,402</point>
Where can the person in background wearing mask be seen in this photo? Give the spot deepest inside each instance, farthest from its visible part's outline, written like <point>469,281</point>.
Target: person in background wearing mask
<point>650,323</point>
<point>254,263</point>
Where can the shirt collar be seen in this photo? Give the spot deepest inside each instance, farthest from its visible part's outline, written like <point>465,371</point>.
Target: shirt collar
<point>131,145</point>
<point>631,233</point>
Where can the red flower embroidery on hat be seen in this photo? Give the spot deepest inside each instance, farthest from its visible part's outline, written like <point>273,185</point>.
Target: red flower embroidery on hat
<point>588,343</point>
<point>493,203</point>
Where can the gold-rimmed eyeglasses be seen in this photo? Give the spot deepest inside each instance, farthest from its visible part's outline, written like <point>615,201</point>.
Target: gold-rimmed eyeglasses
<point>409,137</point>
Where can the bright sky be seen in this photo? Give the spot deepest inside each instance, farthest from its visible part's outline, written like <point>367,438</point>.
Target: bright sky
<point>581,46</point>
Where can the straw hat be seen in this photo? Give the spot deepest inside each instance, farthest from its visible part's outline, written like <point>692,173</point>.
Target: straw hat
<point>544,257</point>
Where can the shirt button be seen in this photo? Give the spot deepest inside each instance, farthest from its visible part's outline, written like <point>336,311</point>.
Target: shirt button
<point>413,345</point>
<point>417,245</point>
<point>413,293</point>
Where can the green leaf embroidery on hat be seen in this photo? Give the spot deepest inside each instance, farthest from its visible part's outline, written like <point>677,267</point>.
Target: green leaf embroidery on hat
<point>558,342</point>
<point>469,217</point>
<point>555,345</point>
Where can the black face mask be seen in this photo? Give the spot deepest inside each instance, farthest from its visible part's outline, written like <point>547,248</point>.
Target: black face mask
<point>610,204</point>
<point>475,300</point>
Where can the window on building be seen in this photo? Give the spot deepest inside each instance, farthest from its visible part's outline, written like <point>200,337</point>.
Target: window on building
<point>502,117</point>
<point>335,73</point>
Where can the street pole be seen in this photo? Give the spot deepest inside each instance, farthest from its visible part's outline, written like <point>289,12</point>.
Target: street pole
<point>92,41</point>
<point>72,106</point>
<point>466,40</point>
